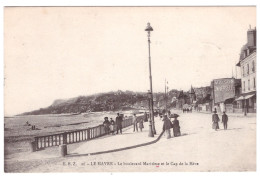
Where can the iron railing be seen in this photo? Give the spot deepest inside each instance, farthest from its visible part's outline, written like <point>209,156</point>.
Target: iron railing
<point>75,136</point>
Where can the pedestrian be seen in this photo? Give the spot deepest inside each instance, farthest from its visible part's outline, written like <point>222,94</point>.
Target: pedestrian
<point>135,123</point>
<point>112,126</point>
<point>106,124</point>
<point>169,113</point>
<point>145,117</point>
<point>215,120</point>
<point>167,125</point>
<point>224,120</point>
<point>141,124</point>
<point>119,121</point>
<point>176,127</point>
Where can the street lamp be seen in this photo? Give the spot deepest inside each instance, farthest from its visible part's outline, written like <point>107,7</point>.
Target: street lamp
<point>150,115</point>
<point>149,29</point>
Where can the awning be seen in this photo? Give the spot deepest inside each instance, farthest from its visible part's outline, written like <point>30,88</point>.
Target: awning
<point>239,98</point>
<point>229,101</point>
<point>245,97</point>
<point>249,96</point>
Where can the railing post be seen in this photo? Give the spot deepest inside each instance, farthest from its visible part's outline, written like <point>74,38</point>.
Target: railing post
<point>63,150</point>
<point>36,143</point>
<point>64,138</point>
<point>88,134</point>
<point>33,146</point>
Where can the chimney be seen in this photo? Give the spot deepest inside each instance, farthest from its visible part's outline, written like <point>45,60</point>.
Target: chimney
<point>251,37</point>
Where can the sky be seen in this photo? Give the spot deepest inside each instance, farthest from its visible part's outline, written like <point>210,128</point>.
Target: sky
<point>63,52</point>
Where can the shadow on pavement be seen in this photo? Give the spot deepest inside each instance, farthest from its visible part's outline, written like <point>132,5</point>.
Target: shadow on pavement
<point>119,149</point>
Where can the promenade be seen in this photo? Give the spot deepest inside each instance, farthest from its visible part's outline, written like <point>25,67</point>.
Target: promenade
<point>112,143</point>
<point>107,143</point>
<point>199,148</point>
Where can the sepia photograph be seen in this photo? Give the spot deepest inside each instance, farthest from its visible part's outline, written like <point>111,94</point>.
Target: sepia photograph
<point>130,89</point>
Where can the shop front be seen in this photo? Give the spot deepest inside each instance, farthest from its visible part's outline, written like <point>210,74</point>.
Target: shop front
<point>247,102</point>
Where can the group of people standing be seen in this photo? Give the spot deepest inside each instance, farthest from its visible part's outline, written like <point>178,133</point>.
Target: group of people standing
<point>33,127</point>
<point>187,110</point>
<point>138,123</point>
<point>112,126</point>
<point>215,120</point>
<point>175,125</point>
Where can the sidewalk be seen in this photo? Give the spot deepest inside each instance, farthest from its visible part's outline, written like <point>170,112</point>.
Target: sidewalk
<point>231,114</point>
<point>105,143</point>
<point>113,142</point>
<point>219,113</point>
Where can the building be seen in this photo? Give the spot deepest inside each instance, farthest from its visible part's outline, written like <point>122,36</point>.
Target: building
<point>224,93</point>
<point>202,92</point>
<point>182,99</point>
<point>204,104</point>
<point>203,98</point>
<point>247,63</point>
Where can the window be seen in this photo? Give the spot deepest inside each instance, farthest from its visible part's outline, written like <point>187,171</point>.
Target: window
<point>247,68</point>
<point>253,66</point>
<point>248,84</point>
<point>245,53</point>
<point>244,86</point>
<point>254,82</point>
<point>243,72</point>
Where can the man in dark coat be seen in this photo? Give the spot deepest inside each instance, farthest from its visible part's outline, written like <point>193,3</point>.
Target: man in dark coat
<point>224,120</point>
<point>145,117</point>
<point>167,125</point>
<point>135,123</point>
<point>119,121</point>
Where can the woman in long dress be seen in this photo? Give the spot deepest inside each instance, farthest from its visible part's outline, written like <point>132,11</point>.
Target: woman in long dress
<point>176,127</point>
<point>106,124</point>
<point>112,126</point>
<point>215,120</point>
<point>141,124</point>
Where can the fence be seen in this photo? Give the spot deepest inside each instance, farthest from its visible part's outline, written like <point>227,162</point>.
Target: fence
<point>74,136</point>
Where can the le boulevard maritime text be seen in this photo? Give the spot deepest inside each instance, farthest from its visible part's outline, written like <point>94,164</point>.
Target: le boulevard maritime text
<point>99,163</point>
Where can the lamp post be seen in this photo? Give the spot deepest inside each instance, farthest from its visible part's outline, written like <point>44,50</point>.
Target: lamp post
<point>245,109</point>
<point>149,29</point>
<point>150,115</point>
<point>166,95</point>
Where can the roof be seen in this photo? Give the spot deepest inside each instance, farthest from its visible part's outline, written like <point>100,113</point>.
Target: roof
<point>238,64</point>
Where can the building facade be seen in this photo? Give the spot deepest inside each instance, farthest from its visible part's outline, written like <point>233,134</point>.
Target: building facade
<point>247,64</point>
<point>224,93</point>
